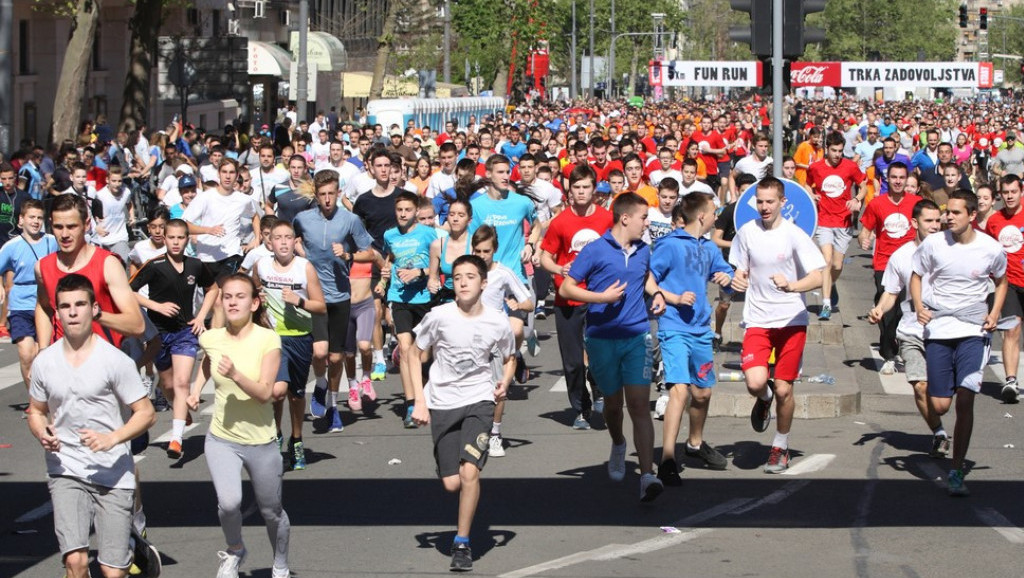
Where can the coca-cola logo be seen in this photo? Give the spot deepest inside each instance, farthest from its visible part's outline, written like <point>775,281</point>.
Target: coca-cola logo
<point>808,75</point>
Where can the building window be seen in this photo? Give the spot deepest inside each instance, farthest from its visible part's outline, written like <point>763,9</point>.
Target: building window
<point>192,17</point>
<point>215,16</point>
<point>97,47</point>
<point>24,49</point>
<point>284,18</point>
<point>29,120</point>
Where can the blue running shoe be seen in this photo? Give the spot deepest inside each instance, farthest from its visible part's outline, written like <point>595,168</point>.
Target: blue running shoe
<point>407,422</point>
<point>318,402</point>
<point>298,457</point>
<point>380,371</point>
<point>335,419</point>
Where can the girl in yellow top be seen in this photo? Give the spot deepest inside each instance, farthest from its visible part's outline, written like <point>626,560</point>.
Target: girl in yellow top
<point>243,434</point>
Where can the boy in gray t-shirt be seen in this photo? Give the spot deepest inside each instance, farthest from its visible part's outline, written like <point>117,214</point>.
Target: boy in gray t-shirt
<point>88,388</point>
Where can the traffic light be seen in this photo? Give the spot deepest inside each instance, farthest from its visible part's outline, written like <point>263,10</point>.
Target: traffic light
<point>983,18</point>
<point>759,34</point>
<point>795,34</point>
<point>1022,71</point>
<point>963,16</point>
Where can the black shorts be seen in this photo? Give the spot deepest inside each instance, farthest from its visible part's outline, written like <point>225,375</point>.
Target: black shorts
<point>333,327</point>
<point>225,267</point>
<point>406,316</point>
<point>714,181</point>
<point>296,359</point>
<point>461,435</point>
<point>1013,306</point>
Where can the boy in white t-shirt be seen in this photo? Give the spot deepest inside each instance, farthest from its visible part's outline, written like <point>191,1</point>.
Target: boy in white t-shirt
<point>768,253</point>
<point>458,401</point>
<point>949,288</point>
<point>112,229</point>
<point>659,219</point>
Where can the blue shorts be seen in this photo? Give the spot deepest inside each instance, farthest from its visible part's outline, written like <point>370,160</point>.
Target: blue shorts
<point>180,342</point>
<point>955,363</point>
<point>21,324</point>
<point>296,359</point>
<point>688,358</point>
<point>615,363</point>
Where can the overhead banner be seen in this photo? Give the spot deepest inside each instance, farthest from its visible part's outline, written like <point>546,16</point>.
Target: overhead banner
<point>883,74</point>
<point>707,73</point>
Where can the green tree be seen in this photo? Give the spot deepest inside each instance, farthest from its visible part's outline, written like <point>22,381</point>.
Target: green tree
<point>1005,37</point>
<point>487,30</point>
<point>864,30</point>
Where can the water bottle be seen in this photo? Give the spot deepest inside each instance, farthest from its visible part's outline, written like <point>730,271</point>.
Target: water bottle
<point>730,376</point>
<point>822,378</point>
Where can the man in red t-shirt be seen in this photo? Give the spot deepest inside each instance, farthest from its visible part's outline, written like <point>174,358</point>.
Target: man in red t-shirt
<point>1005,226</point>
<point>580,223</point>
<point>601,164</point>
<point>831,180</point>
<point>888,218</point>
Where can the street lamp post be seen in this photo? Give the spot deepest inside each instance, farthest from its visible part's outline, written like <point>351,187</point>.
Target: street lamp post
<point>302,73</point>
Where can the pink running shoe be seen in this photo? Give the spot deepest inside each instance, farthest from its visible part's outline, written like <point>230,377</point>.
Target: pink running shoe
<point>354,402</point>
<point>366,388</point>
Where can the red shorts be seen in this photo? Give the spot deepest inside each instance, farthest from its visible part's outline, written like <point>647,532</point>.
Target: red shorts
<point>788,343</point>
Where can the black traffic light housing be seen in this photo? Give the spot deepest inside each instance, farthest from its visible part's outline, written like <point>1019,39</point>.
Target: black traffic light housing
<point>759,34</point>
<point>983,18</point>
<point>963,16</point>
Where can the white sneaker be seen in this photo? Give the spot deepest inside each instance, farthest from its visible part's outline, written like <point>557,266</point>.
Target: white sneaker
<point>281,573</point>
<point>229,563</point>
<point>888,368</point>
<point>650,487</point>
<point>496,450</point>
<point>147,382</point>
<point>660,406</point>
<point>617,463</point>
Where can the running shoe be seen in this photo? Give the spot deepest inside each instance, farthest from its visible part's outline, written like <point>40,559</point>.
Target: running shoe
<point>778,461</point>
<point>889,367</point>
<point>599,405</point>
<point>940,446</point>
<point>532,345</point>
<point>522,372</point>
<point>318,401</point>
<point>334,417</point>
<point>581,423</point>
<point>396,356</point>
<point>145,557</point>
<point>539,314</point>
<point>650,487</point>
<point>366,389</point>
<point>1009,392</point>
<point>380,371</point>
<point>761,413</point>
<point>495,449</point>
<point>462,558</point>
<point>955,484</point>
<point>826,312</point>
<point>712,458</point>
<point>229,563</point>
<point>716,342</point>
<point>280,573</point>
<point>408,422</point>
<point>280,442</point>
<point>834,299</point>
<point>660,406</point>
<point>669,473</point>
<point>617,463</point>
<point>355,403</point>
<point>160,402</point>
<point>4,332</point>
<point>174,450</point>
<point>298,456</point>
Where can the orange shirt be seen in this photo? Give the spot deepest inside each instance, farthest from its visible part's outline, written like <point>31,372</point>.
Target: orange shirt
<point>649,193</point>
<point>805,155</point>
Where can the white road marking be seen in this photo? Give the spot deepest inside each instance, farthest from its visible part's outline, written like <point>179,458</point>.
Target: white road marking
<point>559,386</point>
<point>772,498</point>
<point>35,513</point>
<point>810,464</point>
<point>895,384</point>
<point>10,375</point>
<point>138,458</point>
<point>1000,524</point>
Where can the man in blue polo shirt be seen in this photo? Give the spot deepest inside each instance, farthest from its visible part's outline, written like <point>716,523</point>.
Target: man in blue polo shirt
<point>614,269</point>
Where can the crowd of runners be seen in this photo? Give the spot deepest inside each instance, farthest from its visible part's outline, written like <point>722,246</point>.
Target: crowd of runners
<point>140,265</point>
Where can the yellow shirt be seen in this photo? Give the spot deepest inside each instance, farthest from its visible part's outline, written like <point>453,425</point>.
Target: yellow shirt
<point>237,417</point>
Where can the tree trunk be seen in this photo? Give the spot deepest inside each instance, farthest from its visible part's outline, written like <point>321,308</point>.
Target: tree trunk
<point>67,106</point>
<point>634,62</point>
<point>384,43</point>
<point>145,26</point>
<point>501,80</point>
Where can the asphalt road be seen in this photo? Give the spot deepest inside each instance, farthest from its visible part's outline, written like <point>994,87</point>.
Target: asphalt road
<point>862,498</point>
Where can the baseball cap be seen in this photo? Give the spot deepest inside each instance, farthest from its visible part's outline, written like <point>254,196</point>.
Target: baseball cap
<point>187,182</point>
<point>396,132</point>
<point>604,187</point>
<point>185,169</point>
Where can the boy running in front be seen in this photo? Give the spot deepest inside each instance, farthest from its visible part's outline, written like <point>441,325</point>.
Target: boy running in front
<point>458,401</point>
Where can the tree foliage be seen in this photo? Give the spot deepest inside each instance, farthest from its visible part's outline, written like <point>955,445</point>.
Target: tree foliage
<point>1004,37</point>
<point>865,30</point>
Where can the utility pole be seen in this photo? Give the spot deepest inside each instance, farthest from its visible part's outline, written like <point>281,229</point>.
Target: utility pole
<point>448,42</point>
<point>590,85</point>
<point>6,73</point>
<point>611,58</point>
<point>574,87</point>
<point>302,73</point>
<point>777,86</point>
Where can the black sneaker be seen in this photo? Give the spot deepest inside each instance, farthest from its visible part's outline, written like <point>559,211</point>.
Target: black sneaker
<point>761,413</point>
<point>713,459</point>
<point>716,343</point>
<point>1009,392</point>
<point>834,299</point>
<point>462,558</point>
<point>668,473</point>
<point>522,373</point>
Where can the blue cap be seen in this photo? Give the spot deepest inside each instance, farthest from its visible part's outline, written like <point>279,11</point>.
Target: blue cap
<point>604,187</point>
<point>186,181</point>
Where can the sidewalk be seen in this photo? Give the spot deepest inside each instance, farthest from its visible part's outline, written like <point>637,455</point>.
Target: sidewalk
<point>825,352</point>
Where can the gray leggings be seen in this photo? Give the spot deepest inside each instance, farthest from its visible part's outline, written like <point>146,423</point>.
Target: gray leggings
<point>225,460</point>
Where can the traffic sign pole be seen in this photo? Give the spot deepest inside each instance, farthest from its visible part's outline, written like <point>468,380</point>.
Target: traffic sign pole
<point>777,83</point>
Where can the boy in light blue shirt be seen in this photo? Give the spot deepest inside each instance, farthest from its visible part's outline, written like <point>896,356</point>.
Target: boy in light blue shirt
<point>681,268</point>
<point>407,250</point>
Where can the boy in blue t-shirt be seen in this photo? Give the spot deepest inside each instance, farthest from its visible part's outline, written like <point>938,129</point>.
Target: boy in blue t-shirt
<point>684,331</point>
<point>20,256</point>
<point>407,250</point>
<point>618,341</point>
<point>505,210</point>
